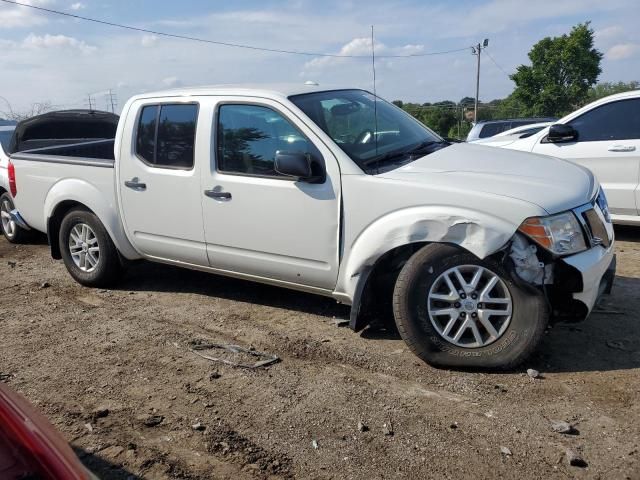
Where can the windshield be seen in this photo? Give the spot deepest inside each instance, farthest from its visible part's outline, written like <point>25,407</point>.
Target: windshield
<point>392,139</point>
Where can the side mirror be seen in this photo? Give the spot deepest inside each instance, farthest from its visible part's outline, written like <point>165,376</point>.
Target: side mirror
<point>294,164</point>
<point>559,133</point>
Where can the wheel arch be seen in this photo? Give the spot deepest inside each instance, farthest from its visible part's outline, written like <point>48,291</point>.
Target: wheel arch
<point>73,193</point>
<point>55,220</point>
<point>388,243</point>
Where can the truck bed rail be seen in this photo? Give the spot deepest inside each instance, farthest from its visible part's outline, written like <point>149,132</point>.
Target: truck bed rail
<point>98,153</point>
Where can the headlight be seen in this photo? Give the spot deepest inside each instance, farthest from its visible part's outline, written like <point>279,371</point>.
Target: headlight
<point>560,234</point>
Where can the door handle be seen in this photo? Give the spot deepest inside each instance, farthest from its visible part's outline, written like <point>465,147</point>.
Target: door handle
<point>135,184</point>
<point>622,148</point>
<point>217,194</point>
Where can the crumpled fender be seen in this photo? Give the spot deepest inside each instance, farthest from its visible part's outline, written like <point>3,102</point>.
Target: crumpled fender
<point>477,232</point>
<point>73,189</point>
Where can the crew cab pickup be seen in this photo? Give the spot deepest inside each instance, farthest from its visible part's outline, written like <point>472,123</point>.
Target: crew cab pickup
<point>472,250</point>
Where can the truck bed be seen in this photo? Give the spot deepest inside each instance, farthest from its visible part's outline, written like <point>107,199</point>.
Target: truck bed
<point>83,170</point>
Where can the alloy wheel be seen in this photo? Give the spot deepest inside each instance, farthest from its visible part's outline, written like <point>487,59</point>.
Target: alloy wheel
<point>84,248</point>
<point>470,306</point>
<point>8,225</point>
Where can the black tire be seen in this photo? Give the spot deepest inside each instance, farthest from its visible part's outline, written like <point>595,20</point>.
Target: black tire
<point>107,269</point>
<point>19,235</point>
<point>520,338</point>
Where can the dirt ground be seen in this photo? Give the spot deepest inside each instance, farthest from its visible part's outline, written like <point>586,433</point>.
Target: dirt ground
<point>107,366</point>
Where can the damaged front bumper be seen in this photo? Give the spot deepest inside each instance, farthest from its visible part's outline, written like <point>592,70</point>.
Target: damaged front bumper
<point>593,272</point>
<point>573,283</point>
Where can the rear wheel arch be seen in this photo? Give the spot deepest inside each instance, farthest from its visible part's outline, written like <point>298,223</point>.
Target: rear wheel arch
<point>87,248</point>
<point>55,221</point>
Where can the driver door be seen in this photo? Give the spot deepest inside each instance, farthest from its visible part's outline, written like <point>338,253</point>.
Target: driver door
<point>258,222</point>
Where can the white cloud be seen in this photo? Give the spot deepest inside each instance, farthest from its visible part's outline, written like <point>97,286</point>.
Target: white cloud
<point>171,82</point>
<point>78,6</point>
<point>57,41</point>
<point>149,40</point>
<point>607,33</point>
<point>13,16</point>
<point>500,15</point>
<point>622,51</point>
<point>361,47</point>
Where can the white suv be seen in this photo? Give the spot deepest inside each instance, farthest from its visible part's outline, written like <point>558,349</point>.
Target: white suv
<point>604,136</point>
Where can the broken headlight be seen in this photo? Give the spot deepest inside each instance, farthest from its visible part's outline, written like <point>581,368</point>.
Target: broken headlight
<point>561,234</point>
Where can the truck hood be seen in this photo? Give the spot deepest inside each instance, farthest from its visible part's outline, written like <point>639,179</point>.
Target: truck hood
<point>551,183</point>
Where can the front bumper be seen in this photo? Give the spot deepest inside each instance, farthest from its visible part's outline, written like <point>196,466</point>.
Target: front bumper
<point>596,268</point>
<point>582,278</point>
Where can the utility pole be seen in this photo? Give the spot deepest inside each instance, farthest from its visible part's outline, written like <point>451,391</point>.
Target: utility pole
<point>476,51</point>
<point>90,101</point>
<point>112,100</point>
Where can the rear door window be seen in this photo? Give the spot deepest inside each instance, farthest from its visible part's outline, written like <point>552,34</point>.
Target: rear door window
<point>146,137</point>
<point>166,135</point>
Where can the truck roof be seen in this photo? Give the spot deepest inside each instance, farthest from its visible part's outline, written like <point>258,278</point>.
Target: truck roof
<point>275,90</point>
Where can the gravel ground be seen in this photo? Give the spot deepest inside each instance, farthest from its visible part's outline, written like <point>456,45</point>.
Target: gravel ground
<point>113,371</point>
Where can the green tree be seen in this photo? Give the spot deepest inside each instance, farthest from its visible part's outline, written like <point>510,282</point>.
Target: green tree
<point>562,70</point>
<point>398,103</point>
<point>467,101</point>
<point>439,119</point>
<point>510,107</point>
<point>605,89</point>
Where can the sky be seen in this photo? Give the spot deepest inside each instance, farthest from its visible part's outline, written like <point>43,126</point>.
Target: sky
<point>49,58</point>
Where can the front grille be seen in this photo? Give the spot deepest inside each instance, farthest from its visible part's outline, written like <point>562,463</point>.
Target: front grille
<point>598,231</point>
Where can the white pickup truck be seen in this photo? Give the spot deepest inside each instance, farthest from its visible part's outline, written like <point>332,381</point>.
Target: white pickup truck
<point>335,192</point>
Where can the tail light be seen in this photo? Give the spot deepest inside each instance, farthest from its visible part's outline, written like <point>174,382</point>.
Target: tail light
<point>29,445</point>
<point>11,171</point>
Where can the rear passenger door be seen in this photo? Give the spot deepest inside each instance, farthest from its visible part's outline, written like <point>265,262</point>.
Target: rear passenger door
<point>258,222</point>
<point>609,145</point>
<point>159,183</point>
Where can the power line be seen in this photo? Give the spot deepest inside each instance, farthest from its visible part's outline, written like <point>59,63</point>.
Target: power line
<point>496,64</point>
<point>224,44</point>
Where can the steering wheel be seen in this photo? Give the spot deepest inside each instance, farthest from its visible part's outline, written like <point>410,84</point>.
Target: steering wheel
<point>366,136</point>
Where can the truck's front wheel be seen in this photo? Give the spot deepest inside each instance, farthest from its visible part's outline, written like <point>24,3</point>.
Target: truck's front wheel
<point>87,250</point>
<point>455,310</point>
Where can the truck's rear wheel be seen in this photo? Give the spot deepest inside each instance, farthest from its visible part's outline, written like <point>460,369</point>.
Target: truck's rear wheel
<point>11,231</point>
<point>455,310</point>
<point>87,250</point>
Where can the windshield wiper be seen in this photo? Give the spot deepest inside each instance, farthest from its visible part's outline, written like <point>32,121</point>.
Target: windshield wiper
<point>404,152</point>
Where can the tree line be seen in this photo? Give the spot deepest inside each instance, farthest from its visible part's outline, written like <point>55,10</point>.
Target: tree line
<point>562,77</point>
